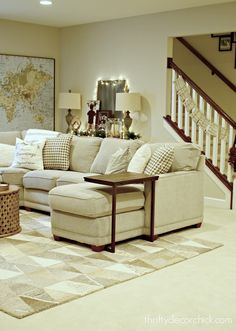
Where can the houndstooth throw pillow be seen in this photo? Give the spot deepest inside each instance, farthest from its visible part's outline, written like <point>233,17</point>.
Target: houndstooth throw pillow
<point>161,160</point>
<point>56,152</point>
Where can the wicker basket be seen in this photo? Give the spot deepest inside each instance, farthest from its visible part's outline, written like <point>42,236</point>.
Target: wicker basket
<point>9,212</point>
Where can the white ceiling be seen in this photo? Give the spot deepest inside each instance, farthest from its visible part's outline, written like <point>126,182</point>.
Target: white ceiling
<point>73,12</point>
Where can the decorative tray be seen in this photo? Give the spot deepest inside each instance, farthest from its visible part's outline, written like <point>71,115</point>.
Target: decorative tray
<point>4,187</point>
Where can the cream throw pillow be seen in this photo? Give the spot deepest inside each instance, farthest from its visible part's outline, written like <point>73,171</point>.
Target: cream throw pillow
<point>7,153</point>
<point>161,160</point>
<point>28,155</point>
<point>140,159</point>
<point>119,161</point>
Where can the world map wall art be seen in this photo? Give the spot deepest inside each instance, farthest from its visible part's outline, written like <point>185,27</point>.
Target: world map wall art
<point>27,92</point>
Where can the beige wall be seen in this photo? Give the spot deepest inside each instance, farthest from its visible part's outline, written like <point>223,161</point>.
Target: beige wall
<point>211,84</point>
<point>135,48</point>
<point>31,39</point>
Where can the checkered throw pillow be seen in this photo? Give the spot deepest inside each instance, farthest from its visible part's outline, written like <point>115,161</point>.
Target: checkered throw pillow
<point>56,152</point>
<point>161,160</point>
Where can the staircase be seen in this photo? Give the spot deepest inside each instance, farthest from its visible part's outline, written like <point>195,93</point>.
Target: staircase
<point>195,117</point>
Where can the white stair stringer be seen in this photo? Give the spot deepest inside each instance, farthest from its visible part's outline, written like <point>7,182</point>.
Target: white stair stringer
<point>211,201</point>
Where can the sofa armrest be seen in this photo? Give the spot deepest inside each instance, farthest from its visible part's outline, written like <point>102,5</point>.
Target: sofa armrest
<point>201,163</point>
<point>178,199</point>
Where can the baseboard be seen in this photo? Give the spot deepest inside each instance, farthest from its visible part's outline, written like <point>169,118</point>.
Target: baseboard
<point>217,203</point>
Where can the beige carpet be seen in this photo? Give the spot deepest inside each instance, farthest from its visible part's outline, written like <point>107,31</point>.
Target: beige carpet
<point>37,273</point>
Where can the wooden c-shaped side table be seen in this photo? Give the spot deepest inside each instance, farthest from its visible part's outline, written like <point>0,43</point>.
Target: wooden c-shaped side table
<point>125,178</point>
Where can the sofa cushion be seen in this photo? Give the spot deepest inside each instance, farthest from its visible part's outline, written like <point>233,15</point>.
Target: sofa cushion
<point>42,179</point>
<point>161,160</point>
<point>186,157</point>
<point>72,177</point>
<point>93,200</point>
<point>39,135</point>
<point>9,137</point>
<point>140,159</point>
<point>56,152</point>
<point>83,152</point>
<point>28,155</point>
<point>13,176</point>
<point>108,147</point>
<point>7,153</point>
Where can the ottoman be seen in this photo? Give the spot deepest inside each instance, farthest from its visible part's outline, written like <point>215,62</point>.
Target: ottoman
<point>82,212</point>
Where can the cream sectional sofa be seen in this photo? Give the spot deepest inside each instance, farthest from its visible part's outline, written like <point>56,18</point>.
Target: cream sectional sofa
<point>81,211</point>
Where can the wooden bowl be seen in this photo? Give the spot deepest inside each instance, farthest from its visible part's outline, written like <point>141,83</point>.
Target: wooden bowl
<point>4,187</point>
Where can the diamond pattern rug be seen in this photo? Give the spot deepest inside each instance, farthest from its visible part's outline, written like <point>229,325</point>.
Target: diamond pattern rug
<point>38,273</point>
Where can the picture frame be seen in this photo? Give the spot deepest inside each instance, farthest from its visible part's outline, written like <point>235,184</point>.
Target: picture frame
<point>27,92</point>
<point>217,35</point>
<point>225,43</point>
<point>102,117</point>
<point>235,56</point>
<point>233,37</point>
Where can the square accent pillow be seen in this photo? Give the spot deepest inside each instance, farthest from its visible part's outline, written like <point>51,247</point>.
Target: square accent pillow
<point>161,160</point>
<point>28,155</point>
<point>140,159</point>
<point>119,161</point>
<point>56,152</point>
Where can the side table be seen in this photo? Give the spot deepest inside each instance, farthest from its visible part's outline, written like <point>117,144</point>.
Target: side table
<point>9,212</point>
<point>125,178</point>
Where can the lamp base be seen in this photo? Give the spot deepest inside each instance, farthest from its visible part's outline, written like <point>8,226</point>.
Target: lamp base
<point>69,118</point>
<point>127,124</point>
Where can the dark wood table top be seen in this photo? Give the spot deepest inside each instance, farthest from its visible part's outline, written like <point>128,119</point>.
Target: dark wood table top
<point>122,178</point>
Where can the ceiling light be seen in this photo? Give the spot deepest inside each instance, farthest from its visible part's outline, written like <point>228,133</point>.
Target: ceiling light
<point>46,2</point>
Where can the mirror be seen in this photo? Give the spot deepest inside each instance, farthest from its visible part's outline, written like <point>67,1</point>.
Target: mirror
<point>106,92</point>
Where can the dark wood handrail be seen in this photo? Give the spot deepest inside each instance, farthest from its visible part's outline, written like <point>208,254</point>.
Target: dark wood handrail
<point>229,120</point>
<point>213,69</point>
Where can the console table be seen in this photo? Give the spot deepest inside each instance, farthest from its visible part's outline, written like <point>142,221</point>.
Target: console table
<point>125,178</point>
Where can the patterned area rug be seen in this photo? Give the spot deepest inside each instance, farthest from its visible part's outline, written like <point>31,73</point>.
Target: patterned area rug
<point>37,273</point>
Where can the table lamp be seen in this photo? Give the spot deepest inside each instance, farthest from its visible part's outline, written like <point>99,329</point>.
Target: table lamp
<point>69,101</point>
<point>127,102</point>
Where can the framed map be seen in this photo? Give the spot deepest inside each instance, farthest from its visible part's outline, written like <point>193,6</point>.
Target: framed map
<point>27,92</point>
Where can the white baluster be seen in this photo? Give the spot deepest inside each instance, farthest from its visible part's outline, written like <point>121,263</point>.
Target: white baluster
<point>231,139</point>
<point>222,150</point>
<point>180,113</point>
<point>215,141</point>
<point>186,118</point>
<point>208,137</point>
<point>200,130</point>
<point>173,97</point>
<point>193,124</point>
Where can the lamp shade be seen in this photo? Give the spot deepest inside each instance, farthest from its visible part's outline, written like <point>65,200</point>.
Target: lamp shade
<point>128,101</point>
<point>69,101</point>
